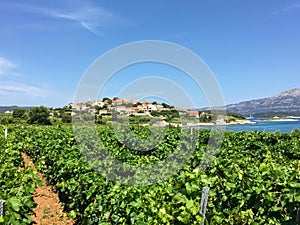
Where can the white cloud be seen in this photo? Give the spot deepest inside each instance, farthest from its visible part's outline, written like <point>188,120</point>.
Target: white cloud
<point>6,66</point>
<point>12,82</point>
<point>88,16</point>
<point>288,8</point>
<point>8,88</point>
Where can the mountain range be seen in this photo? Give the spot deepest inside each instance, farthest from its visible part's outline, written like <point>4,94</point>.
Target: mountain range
<point>286,102</point>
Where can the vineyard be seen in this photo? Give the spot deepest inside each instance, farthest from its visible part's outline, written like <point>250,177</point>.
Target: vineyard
<point>255,178</point>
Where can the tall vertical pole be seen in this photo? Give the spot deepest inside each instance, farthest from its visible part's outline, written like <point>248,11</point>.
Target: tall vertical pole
<point>5,133</point>
<point>204,200</point>
<point>2,208</point>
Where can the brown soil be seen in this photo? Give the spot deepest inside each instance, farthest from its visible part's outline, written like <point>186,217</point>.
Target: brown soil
<point>48,211</point>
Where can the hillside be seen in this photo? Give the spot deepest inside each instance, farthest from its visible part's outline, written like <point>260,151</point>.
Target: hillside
<point>3,109</point>
<point>287,101</point>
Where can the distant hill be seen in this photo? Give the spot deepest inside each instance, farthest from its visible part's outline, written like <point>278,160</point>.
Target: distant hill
<point>3,109</point>
<point>287,101</point>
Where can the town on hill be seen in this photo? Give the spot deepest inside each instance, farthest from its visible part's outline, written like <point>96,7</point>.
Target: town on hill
<point>144,112</point>
<point>281,106</point>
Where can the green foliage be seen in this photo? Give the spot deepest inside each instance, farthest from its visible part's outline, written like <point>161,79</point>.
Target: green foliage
<point>107,99</point>
<point>19,113</point>
<point>6,119</point>
<point>139,119</point>
<point>236,115</point>
<point>262,186</point>
<point>102,119</point>
<point>39,115</point>
<point>155,113</point>
<point>17,185</point>
<point>254,179</point>
<point>104,107</point>
<point>61,115</point>
<point>169,114</point>
<point>138,103</point>
<point>66,117</point>
<point>208,116</point>
<point>165,105</point>
<point>205,118</point>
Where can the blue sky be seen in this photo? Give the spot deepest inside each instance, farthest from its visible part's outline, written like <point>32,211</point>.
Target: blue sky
<point>252,47</point>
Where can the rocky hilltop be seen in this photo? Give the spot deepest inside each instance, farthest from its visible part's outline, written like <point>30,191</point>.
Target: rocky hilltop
<point>287,101</point>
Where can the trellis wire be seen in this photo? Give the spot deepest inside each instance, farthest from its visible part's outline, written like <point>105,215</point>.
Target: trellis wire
<point>204,200</point>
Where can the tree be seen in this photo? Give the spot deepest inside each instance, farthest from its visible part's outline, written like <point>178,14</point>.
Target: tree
<point>109,101</point>
<point>6,120</point>
<point>19,113</point>
<point>66,118</point>
<point>165,105</point>
<point>39,115</point>
<point>154,113</point>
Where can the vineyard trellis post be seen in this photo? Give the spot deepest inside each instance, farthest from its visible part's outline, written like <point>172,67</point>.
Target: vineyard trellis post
<point>191,133</point>
<point>2,208</point>
<point>5,133</point>
<point>203,204</point>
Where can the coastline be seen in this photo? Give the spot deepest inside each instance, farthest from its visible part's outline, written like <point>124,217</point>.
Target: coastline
<point>237,122</point>
<point>282,120</point>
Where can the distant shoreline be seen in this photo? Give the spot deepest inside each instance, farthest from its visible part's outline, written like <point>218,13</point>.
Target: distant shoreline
<point>237,122</point>
<point>282,120</point>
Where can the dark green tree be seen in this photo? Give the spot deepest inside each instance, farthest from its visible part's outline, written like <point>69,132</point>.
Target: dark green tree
<point>39,115</point>
<point>154,113</point>
<point>66,117</point>
<point>165,105</point>
<point>19,113</point>
<point>138,103</point>
<point>6,120</point>
<point>107,99</point>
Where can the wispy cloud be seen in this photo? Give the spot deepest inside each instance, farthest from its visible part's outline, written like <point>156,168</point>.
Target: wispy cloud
<point>288,8</point>
<point>12,82</point>
<point>85,14</point>
<point>24,89</point>
<point>6,66</point>
<point>92,18</point>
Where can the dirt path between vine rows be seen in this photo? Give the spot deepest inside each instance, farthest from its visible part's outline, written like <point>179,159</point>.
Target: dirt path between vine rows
<point>48,211</point>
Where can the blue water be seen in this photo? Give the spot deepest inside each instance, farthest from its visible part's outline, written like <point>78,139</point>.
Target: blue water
<point>283,127</point>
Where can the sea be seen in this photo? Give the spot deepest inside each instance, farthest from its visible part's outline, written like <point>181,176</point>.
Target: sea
<point>267,126</point>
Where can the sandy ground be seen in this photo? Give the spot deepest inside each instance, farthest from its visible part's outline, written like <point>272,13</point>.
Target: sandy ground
<point>49,211</point>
